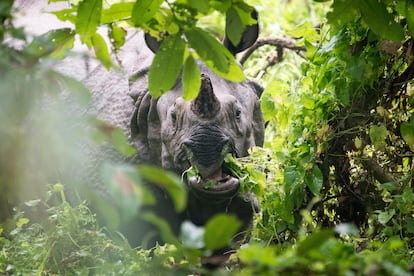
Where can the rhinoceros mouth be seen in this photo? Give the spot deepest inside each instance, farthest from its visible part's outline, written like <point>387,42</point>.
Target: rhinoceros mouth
<point>220,184</point>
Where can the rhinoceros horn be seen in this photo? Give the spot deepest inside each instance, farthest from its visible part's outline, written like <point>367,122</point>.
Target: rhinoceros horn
<point>206,105</point>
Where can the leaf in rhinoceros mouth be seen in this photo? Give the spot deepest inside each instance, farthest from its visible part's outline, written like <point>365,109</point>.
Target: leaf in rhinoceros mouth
<point>251,178</point>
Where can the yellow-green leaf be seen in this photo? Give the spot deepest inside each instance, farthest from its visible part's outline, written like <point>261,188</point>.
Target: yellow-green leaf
<point>166,66</point>
<point>191,79</point>
<point>88,18</point>
<point>117,12</point>
<point>101,50</point>
<point>214,54</point>
<point>144,10</point>
<point>220,230</point>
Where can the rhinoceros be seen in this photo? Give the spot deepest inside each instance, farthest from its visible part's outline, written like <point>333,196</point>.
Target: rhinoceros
<point>170,132</point>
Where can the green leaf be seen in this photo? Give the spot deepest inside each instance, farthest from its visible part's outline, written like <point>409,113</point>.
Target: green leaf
<point>219,231</point>
<point>166,66</point>
<point>221,5</point>
<point>314,241</point>
<point>144,10</point>
<point>214,54</point>
<point>117,35</point>
<point>201,6</point>
<point>169,182</point>
<point>88,18</point>
<point>101,50</point>
<point>66,14</point>
<point>191,79</point>
<point>378,134</point>
<point>314,180</point>
<point>385,216</point>
<point>234,26</point>
<point>117,12</point>
<point>407,132</point>
<point>166,234</point>
<point>375,14</point>
<point>342,11</point>
<point>409,11</point>
<point>54,43</point>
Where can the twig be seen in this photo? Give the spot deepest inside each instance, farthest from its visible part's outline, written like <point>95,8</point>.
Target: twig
<point>280,43</point>
<point>378,171</point>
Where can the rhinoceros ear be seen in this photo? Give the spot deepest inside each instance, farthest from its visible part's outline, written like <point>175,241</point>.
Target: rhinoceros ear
<point>258,123</point>
<point>248,38</point>
<point>146,127</point>
<point>152,43</point>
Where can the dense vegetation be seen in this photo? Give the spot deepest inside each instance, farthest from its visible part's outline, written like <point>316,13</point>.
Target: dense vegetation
<point>337,167</point>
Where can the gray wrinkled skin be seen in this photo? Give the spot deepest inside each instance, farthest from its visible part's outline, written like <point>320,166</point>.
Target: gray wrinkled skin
<point>169,131</point>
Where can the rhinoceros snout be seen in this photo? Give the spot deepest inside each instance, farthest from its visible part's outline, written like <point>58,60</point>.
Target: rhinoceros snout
<point>206,153</point>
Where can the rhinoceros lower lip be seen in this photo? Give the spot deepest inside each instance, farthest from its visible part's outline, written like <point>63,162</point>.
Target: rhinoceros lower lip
<point>218,183</point>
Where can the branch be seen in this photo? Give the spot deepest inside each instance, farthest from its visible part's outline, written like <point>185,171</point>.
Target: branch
<point>279,43</point>
<point>378,171</point>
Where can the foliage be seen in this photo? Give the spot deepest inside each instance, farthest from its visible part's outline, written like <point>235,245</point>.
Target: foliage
<point>338,155</point>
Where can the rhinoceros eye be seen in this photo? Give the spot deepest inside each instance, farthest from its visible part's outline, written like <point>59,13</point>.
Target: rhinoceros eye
<point>173,116</point>
<point>237,113</point>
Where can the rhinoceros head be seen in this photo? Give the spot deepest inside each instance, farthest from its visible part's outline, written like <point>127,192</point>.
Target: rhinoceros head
<point>224,118</point>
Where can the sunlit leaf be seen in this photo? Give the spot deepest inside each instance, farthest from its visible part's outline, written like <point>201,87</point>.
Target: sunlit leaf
<point>200,5</point>
<point>117,12</point>
<point>214,54</point>
<point>101,50</point>
<point>88,18</point>
<point>144,10</point>
<point>117,35</point>
<point>191,79</point>
<point>54,43</point>
<point>219,231</point>
<point>166,66</point>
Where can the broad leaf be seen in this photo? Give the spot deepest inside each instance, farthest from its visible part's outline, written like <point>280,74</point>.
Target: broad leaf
<point>220,230</point>
<point>54,43</point>
<point>375,14</point>
<point>166,66</point>
<point>88,18</point>
<point>314,241</point>
<point>234,26</point>
<point>144,10</point>
<point>191,79</point>
<point>101,50</point>
<point>117,12</point>
<point>407,132</point>
<point>409,11</point>
<point>214,54</point>
<point>314,180</point>
<point>168,181</point>
<point>167,234</point>
<point>378,134</point>
<point>117,35</point>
